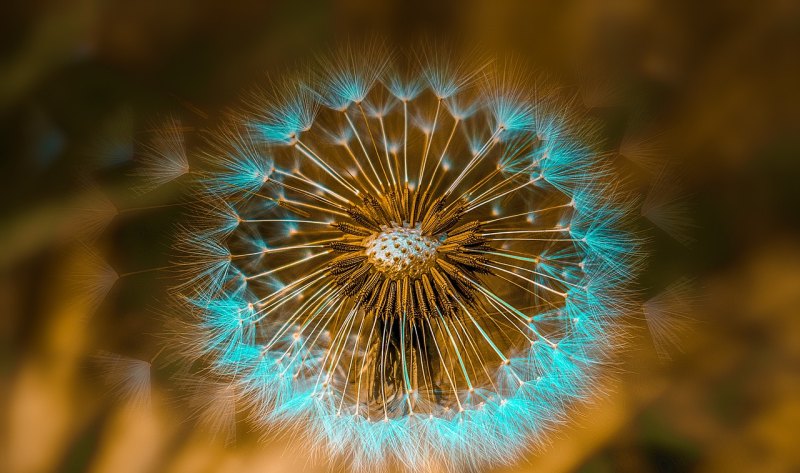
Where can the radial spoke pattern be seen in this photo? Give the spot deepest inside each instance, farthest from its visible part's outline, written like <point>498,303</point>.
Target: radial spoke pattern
<point>422,267</point>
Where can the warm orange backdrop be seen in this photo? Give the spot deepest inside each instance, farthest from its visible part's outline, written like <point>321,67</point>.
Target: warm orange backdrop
<point>710,85</point>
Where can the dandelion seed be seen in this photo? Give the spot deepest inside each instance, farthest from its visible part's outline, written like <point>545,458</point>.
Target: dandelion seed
<point>127,379</point>
<point>668,316</point>
<point>91,279</point>
<point>645,149</point>
<point>666,206</point>
<point>95,211</point>
<point>214,406</point>
<point>428,270</point>
<point>282,111</point>
<point>164,157</point>
<point>240,165</point>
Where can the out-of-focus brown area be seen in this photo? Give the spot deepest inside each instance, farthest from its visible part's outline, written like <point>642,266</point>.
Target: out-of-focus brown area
<point>710,85</point>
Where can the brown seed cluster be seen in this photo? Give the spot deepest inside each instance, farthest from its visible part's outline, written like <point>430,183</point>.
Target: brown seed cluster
<point>400,251</point>
<point>405,252</point>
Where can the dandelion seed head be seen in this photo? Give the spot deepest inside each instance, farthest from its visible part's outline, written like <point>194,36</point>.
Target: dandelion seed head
<point>418,261</point>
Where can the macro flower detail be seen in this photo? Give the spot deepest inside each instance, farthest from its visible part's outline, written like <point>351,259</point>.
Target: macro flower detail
<point>418,263</point>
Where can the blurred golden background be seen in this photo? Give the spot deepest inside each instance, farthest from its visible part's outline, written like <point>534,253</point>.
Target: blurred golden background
<point>709,86</point>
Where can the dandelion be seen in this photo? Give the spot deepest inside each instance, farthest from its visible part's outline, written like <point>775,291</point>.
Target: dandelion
<point>419,262</point>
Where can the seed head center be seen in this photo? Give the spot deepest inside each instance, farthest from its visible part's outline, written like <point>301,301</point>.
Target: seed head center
<point>401,251</point>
